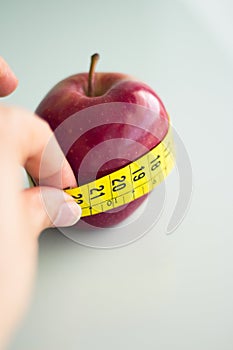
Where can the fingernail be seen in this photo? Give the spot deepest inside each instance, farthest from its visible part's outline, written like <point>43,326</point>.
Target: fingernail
<point>69,213</point>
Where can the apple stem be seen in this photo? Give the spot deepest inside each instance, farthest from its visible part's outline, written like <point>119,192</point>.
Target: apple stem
<point>94,60</point>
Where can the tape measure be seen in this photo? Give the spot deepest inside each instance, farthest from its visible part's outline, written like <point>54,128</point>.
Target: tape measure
<point>128,183</point>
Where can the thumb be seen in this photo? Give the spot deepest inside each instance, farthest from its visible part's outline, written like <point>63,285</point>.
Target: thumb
<point>49,207</point>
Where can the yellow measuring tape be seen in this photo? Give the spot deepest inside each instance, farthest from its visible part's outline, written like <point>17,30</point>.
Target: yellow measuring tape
<point>128,183</point>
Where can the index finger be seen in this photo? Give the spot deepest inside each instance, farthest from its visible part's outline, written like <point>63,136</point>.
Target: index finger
<point>36,147</point>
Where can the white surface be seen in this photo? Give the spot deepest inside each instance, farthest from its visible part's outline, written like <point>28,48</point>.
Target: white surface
<point>161,292</point>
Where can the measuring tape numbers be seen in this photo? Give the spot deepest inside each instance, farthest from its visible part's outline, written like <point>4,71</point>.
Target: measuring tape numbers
<point>128,183</point>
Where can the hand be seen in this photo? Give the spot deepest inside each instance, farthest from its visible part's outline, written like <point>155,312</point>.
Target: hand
<point>25,213</point>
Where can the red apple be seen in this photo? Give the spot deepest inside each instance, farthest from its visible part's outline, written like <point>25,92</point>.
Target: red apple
<point>84,90</point>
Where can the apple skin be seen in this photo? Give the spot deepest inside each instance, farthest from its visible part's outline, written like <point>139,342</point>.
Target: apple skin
<point>70,96</point>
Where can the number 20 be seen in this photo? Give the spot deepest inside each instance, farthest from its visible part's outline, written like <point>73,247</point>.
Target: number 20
<point>117,187</point>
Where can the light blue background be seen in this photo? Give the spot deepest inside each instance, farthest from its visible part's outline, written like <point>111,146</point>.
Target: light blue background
<point>161,292</point>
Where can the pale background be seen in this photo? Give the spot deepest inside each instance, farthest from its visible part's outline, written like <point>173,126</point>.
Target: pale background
<point>161,292</point>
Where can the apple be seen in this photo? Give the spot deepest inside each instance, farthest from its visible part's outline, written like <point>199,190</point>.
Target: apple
<point>82,91</point>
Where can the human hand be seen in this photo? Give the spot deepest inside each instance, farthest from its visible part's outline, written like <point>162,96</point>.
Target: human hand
<point>23,138</point>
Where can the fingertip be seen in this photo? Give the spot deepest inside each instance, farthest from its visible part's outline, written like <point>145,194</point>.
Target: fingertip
<point>8,80</point>
<point>68,178</point>
<point>49,207</point>
<point>68,214</point>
